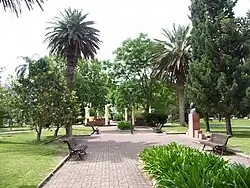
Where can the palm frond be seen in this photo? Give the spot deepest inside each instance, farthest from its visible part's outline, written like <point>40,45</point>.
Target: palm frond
<point>21,70</point>
<point>69,33</point>
<point>171,60</point>
<point>16,5</point>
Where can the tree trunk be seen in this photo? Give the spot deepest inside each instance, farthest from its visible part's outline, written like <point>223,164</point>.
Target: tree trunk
<point>172,118</point>
<point>206,118</point>
<point>56,131</point>
<point>220,117</point>
<point>38,133</point>
<point>71,65</point>
<point>147,108</point>
<point>68,129</point>
<point>228,124</point>
<point>181,106</point>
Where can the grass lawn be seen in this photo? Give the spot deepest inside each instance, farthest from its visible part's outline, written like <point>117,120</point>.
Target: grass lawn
<point>240,127</point>
<point>16,128</point>
<point>24,162</point>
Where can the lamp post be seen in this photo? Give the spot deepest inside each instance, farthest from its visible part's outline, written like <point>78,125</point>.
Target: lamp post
<point>130,110</point>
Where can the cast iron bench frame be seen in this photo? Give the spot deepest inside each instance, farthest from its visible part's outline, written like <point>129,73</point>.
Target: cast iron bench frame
<point>158,128</point>
<point>218,142</point>
<point>94,130</point>
<point>75,147</point>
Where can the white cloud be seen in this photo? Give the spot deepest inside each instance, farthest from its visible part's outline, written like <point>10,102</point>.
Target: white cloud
<point>116,19</point>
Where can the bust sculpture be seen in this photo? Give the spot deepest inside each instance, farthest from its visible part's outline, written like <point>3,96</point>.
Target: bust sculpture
<point>192,108</point>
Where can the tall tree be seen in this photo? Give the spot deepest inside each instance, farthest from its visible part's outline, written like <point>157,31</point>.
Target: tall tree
<point>71,37</point>
<point>172,60</point>
<point>43,95</point>
<point>91,84</point>
<point>201,80</point>
<point>132,61</point>
<point>16,5</point>
<point>224,58</point>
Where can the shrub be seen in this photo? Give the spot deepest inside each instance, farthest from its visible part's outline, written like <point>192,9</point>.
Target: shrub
<point>123,125</point>
<point>153,119</point>
<point>180,166</point>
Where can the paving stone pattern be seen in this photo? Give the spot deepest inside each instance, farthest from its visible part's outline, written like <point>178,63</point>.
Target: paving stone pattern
<point>112,160</point>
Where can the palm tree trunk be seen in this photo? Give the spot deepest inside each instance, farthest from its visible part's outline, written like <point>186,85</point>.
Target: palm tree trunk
<point>181,106</point>
<point>71,65</point>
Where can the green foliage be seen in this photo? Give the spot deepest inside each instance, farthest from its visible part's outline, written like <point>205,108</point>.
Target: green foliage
<point>171,58</point>
<point>123,125</point>
<point>132,67</point>
<point>92,112</point>
<point>43,95</point>
<point>155,118</point>
<point>71,35</point>
<point>118,117</point>
<point>164,99</point>
<point>219,75</point>
<point>91,84</point>
<point>16,6</point>
<point>180,166</point>
<point>171,62</point>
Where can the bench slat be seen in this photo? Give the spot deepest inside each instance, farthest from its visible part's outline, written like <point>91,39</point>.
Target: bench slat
<point>217,142</point>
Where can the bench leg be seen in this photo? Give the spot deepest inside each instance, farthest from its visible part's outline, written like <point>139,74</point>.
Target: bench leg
<point>70,154</point>
<point>203,147</point>
<point>84,152</point>
<point>79,154</point>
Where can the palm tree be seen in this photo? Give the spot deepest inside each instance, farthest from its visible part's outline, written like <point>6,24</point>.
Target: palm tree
<point>171,62</point>
<point>71,37</point>
<point>15,5</point>
<point>21,70</point>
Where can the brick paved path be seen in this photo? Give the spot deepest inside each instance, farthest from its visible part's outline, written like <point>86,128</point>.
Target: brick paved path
<point>112,160</point>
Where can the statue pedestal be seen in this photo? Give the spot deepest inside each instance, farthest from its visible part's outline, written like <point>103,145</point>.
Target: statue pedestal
<point>194,126</point>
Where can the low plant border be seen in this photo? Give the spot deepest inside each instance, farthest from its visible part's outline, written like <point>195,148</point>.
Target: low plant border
<point>146,175</point>
<point>49,176</point>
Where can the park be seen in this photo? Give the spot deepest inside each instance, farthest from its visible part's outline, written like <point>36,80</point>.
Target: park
<point>164,112</point>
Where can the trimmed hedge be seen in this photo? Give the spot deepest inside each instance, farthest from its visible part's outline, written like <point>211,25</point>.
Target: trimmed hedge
<point>123,125</point>
<point>153,119</point>
<point>180,166</point>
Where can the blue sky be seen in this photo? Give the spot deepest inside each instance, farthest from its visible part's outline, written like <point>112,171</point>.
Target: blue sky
<point>116,19</point>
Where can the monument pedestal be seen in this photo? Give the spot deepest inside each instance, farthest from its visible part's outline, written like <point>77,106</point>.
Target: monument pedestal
<point>194,126</point>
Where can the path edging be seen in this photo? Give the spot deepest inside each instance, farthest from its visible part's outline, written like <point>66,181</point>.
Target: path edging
<point>242,155</point>
<point>47,178</point>
<point>146,175</point>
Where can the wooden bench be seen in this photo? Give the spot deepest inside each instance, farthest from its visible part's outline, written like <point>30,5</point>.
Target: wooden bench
<point>217,142</point>
<point>96,122</point>
<point>158,129</point>
<point>76,147</point>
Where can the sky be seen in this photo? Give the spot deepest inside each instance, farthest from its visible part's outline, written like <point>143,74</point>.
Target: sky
<point>116,19</point>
